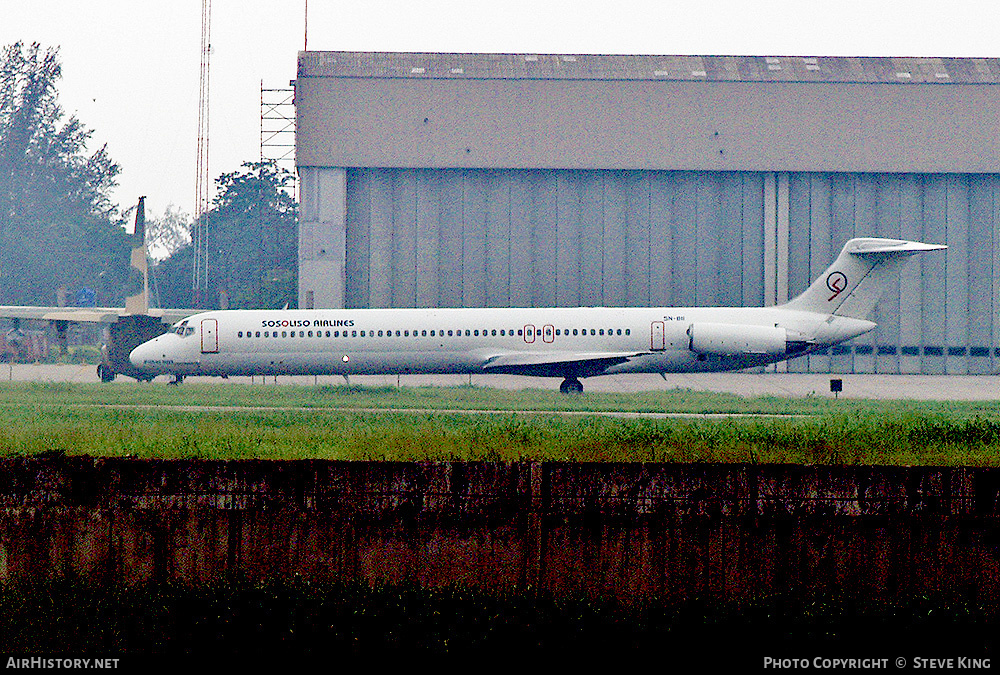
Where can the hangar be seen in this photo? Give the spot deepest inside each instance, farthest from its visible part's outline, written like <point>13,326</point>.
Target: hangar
<point>478,180</point>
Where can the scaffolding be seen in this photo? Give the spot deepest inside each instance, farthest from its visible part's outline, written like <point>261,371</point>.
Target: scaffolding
<point>277,130</point>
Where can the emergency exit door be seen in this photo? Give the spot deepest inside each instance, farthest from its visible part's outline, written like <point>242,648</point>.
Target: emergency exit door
<point>657,336</point>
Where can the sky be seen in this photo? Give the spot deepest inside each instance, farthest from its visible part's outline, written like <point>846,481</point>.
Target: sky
<point>131,68</point>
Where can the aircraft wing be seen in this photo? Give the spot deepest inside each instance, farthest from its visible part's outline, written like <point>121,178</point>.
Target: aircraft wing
<point>172,316</point>
<point>87,314</point>
<point>556,364</point>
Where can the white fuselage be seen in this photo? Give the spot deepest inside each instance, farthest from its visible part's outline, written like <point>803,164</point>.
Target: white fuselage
<point>556,342</point>
<point>560,342</point>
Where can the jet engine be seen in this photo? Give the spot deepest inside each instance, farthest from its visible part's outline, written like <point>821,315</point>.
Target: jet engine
<point>726,339</point>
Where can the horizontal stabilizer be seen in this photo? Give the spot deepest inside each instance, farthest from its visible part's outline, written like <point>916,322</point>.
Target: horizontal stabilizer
<point>893,247</point>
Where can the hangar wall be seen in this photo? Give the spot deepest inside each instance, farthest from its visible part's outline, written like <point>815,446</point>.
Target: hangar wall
<point>497,238</point>
<point>596,112</point>
<point>424,185</point>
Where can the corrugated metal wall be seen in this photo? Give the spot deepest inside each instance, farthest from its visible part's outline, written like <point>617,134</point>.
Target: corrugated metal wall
<point>942,315</point>
<point>497,238</point>
<point>537,238</point>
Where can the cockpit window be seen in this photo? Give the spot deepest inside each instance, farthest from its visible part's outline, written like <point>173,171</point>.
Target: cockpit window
<point>182,329</point>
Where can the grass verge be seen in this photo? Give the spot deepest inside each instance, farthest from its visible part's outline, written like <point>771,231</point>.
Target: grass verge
<point>352,423</point>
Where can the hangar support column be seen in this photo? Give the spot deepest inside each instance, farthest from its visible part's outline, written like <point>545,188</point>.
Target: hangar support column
<point>776,233</point>
<point>322,237</point>
<point>776,224</point>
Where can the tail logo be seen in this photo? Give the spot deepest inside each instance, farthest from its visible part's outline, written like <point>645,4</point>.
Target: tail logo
<point>836,282</point>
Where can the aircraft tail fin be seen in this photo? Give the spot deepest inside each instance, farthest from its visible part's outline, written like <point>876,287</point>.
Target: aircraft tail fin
<point>854,282</point>
<point>139,303</point>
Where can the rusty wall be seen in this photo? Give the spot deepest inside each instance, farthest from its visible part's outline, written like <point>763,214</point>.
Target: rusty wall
<point>719,531</point>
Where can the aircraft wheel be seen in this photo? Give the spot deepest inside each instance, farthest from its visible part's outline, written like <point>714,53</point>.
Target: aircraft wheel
<point>177,380</point>
<point>571,385</point>
<point>105,373</point>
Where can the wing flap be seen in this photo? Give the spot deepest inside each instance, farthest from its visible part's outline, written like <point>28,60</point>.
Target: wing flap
<point>556,364</point>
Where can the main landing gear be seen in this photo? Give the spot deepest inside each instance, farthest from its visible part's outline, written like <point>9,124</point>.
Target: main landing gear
<point>571,385</point>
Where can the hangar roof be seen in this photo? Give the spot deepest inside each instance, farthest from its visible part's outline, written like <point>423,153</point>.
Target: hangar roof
<point>902,70</point>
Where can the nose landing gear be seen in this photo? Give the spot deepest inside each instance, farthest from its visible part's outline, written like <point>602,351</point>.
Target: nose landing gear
<point>571,385</point>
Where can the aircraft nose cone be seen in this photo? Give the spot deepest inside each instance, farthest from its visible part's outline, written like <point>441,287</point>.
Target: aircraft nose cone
<point>140,354</point>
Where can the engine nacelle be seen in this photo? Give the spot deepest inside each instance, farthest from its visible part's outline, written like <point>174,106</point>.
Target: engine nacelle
<point>730,339</point>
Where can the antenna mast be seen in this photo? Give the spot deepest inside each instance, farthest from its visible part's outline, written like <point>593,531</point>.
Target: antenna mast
<point>199,266</point>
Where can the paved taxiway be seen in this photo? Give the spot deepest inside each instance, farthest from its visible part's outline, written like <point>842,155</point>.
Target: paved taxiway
<point>919,387</point>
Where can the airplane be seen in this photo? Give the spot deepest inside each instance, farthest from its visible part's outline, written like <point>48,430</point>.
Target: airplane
<point>571,343</point>
<point>128,326</point>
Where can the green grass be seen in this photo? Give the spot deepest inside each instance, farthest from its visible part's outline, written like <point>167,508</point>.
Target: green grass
<point>462,397</point>
<point>356,423</point>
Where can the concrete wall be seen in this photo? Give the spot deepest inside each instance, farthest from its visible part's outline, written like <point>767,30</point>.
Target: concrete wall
<point>721,532</point>
<point>322,239</point>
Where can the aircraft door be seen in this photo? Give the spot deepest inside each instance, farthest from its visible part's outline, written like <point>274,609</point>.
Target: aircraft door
<point>657,336</point>
<point>548,333</point>
<point>529,334</point>
<point>209,336</point>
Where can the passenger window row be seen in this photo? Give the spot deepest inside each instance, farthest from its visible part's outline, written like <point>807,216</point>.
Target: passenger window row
<point>594,331</point>
<point>424,333</point>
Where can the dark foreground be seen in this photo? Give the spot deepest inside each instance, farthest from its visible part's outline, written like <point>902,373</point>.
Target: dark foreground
<point>297,622</point>
<point>254,563</point>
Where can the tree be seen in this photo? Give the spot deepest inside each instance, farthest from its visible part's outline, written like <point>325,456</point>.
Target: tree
<point>168,233</point>
<point>58,226</point>
<point>252,232</point>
